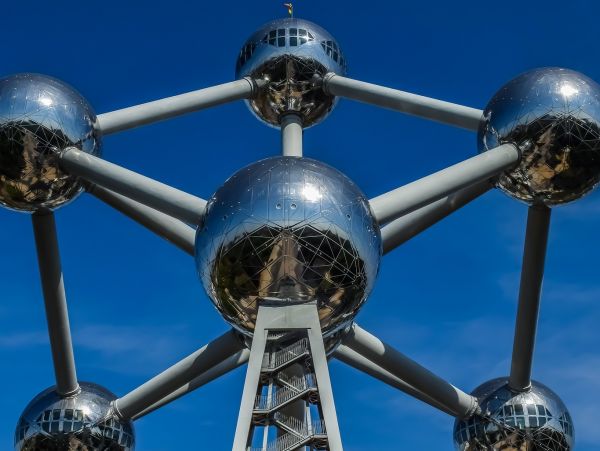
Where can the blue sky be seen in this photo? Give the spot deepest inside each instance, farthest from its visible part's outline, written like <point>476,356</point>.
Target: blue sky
<point>447,298</point>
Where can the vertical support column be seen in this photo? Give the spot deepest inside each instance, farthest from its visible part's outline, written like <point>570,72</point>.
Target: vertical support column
<point>324,382</point>
<point>532,274</point>
<point>291,135</point>
<point>257,352</point>
<point>57,316</point>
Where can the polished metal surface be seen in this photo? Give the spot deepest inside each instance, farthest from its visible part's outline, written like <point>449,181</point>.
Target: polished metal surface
<point>553,116</point>
<point>288,230</point>
<point>85,421</point>
<point>39,117</point>
<point>292,54</point>
<point>534,420</point>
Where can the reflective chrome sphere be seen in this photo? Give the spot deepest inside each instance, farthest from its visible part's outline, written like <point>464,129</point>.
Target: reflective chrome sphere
<point>85,421</point>
<point>553,115</point>
<point>535,420</point>
<point>39,117</point>
<point>288,230</point>
<point>289,53</point>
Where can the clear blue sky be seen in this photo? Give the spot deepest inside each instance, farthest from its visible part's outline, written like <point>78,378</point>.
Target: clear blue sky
<point>447,298</point>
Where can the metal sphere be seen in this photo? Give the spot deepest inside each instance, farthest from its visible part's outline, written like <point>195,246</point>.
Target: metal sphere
<point>288,230</point>
<point>292,54</point>
<point>84,421</point>
<point>513,421</point>
<point>39,117</point>
<point>553,116</point>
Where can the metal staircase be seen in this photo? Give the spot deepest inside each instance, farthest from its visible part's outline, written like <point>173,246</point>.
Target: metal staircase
<point>285,387</point>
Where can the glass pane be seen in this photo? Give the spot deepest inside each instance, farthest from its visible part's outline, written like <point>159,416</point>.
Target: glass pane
<point>521,422</point>
<point>542,421</point>
<point>56,414</point>
<point>281,32</point>
<point>531,409</point>
<point>541,410</point>
<point>293,41</point>
<point>54,426</point>
<point>272,33</point>
<point>281,42</point>
<point>293,32</point>
<point>533,422</point>
<point>272,41</point>
<point>518,409</point>
<point>303,41</point>
<point>47,415</point>
<point>302,32</point>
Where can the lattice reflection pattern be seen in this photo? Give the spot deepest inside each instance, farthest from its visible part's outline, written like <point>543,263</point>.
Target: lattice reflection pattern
<point>288,248</point>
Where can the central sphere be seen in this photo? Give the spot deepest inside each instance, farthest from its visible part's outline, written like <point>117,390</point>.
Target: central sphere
<point>291,54</point>
<point>84,421</point>
<point>288,230</point>
<point>535,419</point>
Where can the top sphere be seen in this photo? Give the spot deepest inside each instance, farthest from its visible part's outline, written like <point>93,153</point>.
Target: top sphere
<point>84,421</point>
<point>289,53</point>
<point>553,116</point>
<point>39,117</point>
<point>288,230</point>
<point>535,419</point>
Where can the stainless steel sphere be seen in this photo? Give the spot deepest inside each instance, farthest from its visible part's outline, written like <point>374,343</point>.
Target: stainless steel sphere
<point>553,116</point>
<point>288,230</point>
<point>85,421</point>
<point>536,420</point>
<point>39,117</point>
<point>289,53</point>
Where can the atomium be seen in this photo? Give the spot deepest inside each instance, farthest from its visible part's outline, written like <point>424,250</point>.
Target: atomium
<point>288,230</point>
<point>292,54</point>
<point>84,421</point>
<point>553,116</point>
<point>39,117</point>
<point>288,248</point>
<point>535,419</point>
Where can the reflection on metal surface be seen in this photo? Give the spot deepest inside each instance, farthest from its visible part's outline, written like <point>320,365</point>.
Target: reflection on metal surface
<point>553,115</point>
<point>288,230</point>
<point>290,53</point>
<point>39,117</point>
<point>84,421</point>
<point>536,420</point>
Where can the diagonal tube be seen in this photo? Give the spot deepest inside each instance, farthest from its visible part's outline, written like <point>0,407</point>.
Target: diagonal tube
<point>227,365</point>
<point>532,274</point>
<point>421,379</point>
<point>403,229</point>
<point>57,316</point>
<point>171,229</point>
<point>291,135</point>
<point>355,360</point>
<point>415,195</point>
<point>169,107</point>
<point>405,102</point>
<point>162,385</point>
<point>145,190</point>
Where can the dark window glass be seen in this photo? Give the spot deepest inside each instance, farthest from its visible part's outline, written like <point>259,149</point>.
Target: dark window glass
<point>47,415</point>
<point>56,414</point>
<point>302,32</point>
<point>68,414</point>
<point>46,427</point>
<point>54,426</point>
<point>67,426</point>
<point>281,42</point>
<point>518,409</point>
<point>531,409</point>
<point>310,35</point>
<point>521,422</point>
<point>542,421</point>
<point>303,41</point>
<point>272,34</point>
<point>335,56</point>
<point>281,32</point>
<point>541,410</point>
<point>293,41</point>
<point>533,422</point>
<point>510,421</point>
<point>293,32</point>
